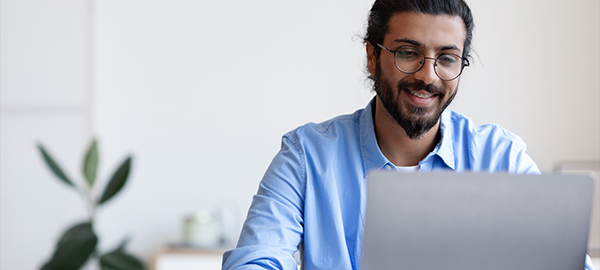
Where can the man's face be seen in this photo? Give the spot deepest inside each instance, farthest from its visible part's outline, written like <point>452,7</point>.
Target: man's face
<point>417,100</point>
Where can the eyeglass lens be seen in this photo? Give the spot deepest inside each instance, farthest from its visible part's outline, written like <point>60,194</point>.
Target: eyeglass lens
<point>410,59</point>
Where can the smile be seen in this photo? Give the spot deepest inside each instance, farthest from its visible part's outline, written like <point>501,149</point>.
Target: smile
<point>419,95</point>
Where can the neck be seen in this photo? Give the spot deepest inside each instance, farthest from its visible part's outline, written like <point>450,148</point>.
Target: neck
<point>395,145</point>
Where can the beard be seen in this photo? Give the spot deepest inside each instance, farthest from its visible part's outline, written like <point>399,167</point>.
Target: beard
<point>415,120</point>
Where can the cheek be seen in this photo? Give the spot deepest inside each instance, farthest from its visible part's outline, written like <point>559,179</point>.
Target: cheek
<point>390,73</point>
<point>451,87</point>
<point>388,66</point>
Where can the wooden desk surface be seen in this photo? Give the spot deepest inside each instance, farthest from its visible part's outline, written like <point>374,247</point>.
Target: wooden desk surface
<point>187,259</point>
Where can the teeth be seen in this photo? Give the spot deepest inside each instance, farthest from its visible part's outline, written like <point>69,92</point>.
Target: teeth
<point>419,95</point>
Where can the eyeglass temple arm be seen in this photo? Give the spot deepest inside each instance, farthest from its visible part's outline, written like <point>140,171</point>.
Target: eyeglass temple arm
<point>381,46</point>
<point>467,63</point>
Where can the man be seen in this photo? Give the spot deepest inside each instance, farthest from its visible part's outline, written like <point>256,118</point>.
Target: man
<point>313,194</point>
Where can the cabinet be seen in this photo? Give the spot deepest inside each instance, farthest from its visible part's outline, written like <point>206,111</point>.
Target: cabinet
<point>187,259</point>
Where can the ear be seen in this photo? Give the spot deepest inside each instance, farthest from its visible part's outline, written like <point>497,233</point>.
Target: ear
<point>371,58</point>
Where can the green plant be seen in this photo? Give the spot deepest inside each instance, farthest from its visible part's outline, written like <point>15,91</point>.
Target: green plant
<point>79,243</point>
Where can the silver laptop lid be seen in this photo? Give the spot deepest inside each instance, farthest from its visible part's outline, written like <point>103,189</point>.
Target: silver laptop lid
<point>471,221</point>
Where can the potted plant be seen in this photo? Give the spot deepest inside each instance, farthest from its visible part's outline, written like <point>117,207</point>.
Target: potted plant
<point>78,244</point>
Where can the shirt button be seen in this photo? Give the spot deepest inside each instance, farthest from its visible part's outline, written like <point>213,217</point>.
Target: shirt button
<point>388,167</point>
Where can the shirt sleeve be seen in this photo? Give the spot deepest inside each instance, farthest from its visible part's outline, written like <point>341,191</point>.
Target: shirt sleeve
<point>588,263</point>
<point>521,162</point>
<point>274,226</point>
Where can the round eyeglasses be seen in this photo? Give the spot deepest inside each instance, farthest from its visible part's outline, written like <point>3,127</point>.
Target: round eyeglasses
<point>410,59</point>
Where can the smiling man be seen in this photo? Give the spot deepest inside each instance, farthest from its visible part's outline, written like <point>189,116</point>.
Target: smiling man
<point>415,81</point>
<point>312,197</point>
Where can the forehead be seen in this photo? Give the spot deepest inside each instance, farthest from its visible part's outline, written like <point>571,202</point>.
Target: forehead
<point>432,31</point>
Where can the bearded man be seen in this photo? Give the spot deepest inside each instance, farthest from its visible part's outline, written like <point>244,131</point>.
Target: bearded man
<point>313,194</point>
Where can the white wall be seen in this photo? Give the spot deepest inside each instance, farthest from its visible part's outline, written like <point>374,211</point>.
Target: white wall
<point>537,73</point>
<point>43,98</point>
<point>200,93</point>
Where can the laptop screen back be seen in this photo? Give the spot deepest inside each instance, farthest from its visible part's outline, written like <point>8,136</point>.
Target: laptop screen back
<point>471,221</point>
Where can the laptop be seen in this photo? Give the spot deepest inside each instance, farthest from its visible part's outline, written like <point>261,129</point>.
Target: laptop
<point>471,221</point>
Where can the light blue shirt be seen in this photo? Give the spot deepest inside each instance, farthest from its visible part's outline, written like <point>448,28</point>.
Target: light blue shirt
<point>314,191</point>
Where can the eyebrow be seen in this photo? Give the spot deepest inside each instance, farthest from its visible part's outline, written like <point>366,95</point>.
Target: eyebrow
<point>419,44</point>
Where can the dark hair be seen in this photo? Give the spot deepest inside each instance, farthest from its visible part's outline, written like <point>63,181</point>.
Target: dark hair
<point>382,11</point>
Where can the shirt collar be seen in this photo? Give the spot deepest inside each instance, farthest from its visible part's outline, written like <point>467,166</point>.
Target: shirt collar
<point>373,158</point>
<point>445,148</point>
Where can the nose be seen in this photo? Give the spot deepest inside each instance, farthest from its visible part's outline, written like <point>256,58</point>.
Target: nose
<point>427,71</point>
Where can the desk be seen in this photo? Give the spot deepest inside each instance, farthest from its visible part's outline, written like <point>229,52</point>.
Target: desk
<point>187,259</point>
<point>190,259</point>
<point>210,259</point>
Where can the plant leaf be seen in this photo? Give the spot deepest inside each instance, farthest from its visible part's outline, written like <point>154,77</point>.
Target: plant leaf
<point>121,247</point>
<point>91,163</point>
<point>117,181</point>
<point>120,260</point>
<point>73,249</point>
<point>54,167</point>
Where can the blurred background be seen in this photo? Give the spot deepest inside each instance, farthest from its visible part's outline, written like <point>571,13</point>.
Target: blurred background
<point>200,93</point>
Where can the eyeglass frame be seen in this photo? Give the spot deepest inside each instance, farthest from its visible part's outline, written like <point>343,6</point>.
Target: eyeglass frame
<point>464,61</point>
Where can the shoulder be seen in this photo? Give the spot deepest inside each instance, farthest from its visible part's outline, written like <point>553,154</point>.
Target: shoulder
<point>462,128</point>
<point>342,126</point>
<point>488,147</point>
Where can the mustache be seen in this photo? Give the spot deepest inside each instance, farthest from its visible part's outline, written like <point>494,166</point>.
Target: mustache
<point>420,85</point>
